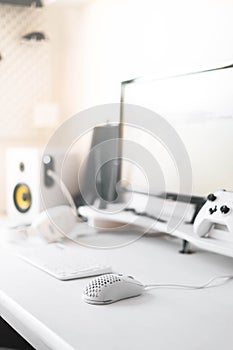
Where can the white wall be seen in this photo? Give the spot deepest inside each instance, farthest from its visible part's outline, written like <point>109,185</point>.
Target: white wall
<point>108,41</point>
<point>112,40</point>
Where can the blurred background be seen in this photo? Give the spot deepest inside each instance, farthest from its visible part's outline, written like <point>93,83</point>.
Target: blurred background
<point>68,55</point>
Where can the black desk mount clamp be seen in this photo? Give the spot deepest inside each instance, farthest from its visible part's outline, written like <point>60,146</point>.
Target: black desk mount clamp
<point>185,248</point>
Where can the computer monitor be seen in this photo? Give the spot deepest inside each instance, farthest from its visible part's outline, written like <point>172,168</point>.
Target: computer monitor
<point>199,106</point>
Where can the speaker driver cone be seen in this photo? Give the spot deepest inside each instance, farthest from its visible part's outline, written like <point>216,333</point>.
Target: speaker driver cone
<point>22,197</point>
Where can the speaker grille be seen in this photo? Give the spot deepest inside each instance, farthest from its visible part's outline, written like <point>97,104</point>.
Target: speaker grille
<point>22,197</point>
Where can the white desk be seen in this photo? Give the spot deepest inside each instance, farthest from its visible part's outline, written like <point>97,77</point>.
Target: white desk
<point>50,314</point>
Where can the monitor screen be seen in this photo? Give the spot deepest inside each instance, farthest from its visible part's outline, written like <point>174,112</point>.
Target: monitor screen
<point>199,106</point>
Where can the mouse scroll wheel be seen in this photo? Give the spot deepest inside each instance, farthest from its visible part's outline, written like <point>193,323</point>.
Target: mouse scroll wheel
<point>131,277</point>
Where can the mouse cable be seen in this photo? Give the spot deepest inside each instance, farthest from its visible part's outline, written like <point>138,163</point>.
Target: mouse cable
<point>212,282</point>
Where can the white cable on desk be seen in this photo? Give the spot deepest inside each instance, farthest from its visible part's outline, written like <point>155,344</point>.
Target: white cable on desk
<point>208,284</point>
<point>64,189</point>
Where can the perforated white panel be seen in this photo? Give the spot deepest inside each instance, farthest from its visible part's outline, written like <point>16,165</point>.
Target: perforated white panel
<point>95,287</point>
<point>24,68</point>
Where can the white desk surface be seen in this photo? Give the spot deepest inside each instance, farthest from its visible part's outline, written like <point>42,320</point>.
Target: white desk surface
<point>50,314</point>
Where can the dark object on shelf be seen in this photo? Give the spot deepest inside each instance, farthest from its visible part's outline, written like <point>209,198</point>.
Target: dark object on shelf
<point>11,339</point>
<point>196,200</point>
<point>34,36</point>
<point>37,3</point>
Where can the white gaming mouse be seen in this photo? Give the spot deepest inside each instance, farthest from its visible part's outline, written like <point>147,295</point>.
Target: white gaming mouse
<point>110,288</point>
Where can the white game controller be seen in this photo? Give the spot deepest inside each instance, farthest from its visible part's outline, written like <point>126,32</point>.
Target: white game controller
<point>217,211</point>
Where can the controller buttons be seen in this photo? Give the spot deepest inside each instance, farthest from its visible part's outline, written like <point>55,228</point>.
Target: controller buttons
<point>224,209</point>
<point>211,197</point>
<point>213,210</point>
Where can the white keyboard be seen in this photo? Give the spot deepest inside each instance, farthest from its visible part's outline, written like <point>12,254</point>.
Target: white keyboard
<point>64,262</point>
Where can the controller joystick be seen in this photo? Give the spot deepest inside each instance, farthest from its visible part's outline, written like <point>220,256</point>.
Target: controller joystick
<point>224,209</point>
<point>220,214</point>
<point>211,197</point>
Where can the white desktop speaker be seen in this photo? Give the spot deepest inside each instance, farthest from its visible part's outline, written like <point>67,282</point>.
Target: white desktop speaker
<point>27,181</point>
